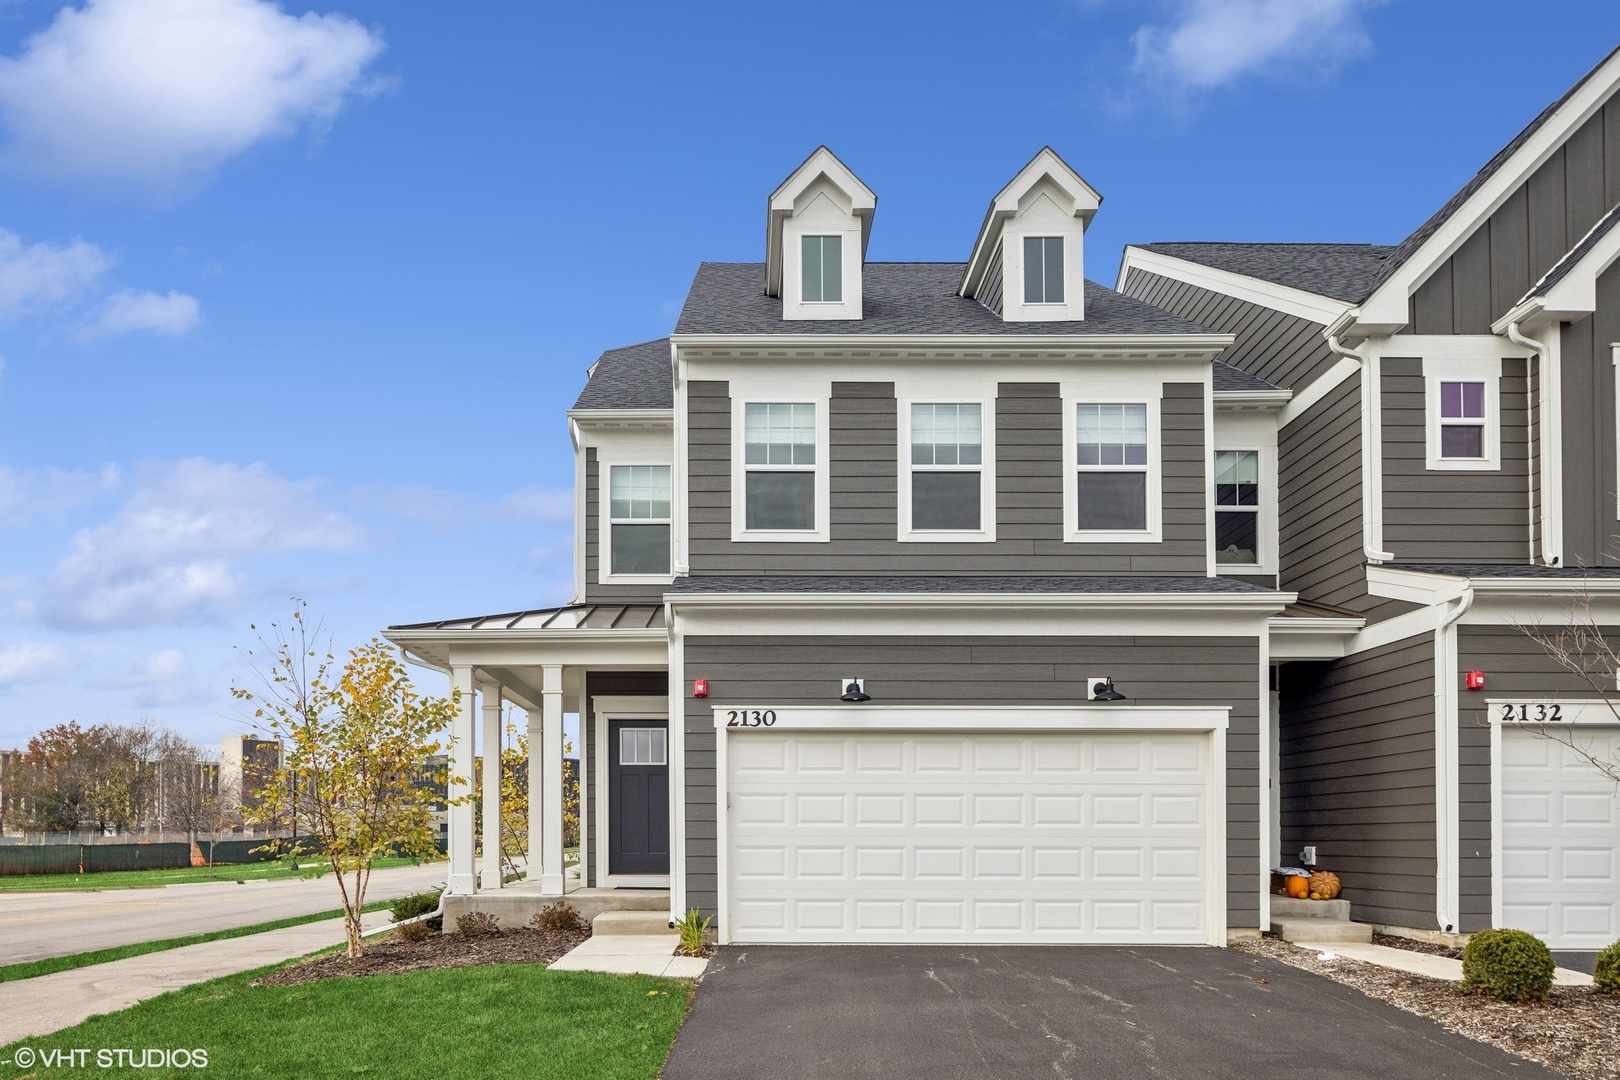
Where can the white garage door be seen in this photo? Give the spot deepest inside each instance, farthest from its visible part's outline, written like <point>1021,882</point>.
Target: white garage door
<point>1560,831</point>
<point>840,836</point>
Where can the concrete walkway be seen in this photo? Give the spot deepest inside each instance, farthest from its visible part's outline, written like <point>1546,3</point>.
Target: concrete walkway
<point>1416,963</point>
<point>33,1007</point>
<point>632,954</point>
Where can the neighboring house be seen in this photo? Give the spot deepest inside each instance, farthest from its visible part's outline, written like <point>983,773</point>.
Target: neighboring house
<point>979,602</point>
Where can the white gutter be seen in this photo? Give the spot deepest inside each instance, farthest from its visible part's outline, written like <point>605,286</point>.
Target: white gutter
<point>1447,813</point>
<point>1552,444</point>
<point>1372,455</point>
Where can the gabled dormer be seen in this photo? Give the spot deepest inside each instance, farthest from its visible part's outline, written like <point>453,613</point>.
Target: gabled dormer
<point>816,232</point>
<point>1028,264</point>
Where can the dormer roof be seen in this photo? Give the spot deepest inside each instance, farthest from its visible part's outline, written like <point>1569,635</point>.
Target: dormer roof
<point>1079,199</point>
<point>823,164</point>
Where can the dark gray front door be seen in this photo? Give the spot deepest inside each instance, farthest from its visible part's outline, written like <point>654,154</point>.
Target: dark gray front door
<point>638,797</point>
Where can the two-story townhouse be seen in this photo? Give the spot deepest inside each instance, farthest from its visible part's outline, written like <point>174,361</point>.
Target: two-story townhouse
<point>914,602</point>
<point>1447,478</point>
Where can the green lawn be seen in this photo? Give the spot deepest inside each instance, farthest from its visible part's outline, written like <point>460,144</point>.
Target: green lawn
<point>507,1020</point>
<point>151,879</point>
<point>51,964</point>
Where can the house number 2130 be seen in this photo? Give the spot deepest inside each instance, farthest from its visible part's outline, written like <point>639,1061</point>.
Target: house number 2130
<point>750,717</point>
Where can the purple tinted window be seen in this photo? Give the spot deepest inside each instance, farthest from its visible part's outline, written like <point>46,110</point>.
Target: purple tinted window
<point>1462,441</point>
<point>1462,400</point>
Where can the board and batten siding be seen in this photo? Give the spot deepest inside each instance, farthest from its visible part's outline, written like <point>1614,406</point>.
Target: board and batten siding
<point>595,548</point>
<point>1591,532</point>
<point>1514,665</point>
<point>863,489</point>
<point>1544,218</point>
<point>1356,764</point>
<point>650,684</point>
<point>1453,515</point>
<point>781,671</point>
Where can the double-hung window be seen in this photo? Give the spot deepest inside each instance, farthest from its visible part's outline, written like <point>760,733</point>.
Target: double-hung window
<point>638,519</point>
<point>1237,507</point>
<point>1462,420</point>
<point>823,269</point>
<point>1043,269</point>
<point>947,467</point>
<point>1463,406</point>
<point>779,466</point>
<point>1111,482</point>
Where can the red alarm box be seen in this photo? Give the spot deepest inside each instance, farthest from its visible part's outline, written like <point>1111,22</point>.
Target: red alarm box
<point>700,687</point>
<point>1474,680</point>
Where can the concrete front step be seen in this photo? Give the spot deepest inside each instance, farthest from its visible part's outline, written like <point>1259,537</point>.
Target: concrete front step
<point>631,922</point>
<point>1287,907</point>
<point>1320,930</point>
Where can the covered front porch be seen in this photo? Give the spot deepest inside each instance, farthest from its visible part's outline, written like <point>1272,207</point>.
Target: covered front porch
<point>606,663</point>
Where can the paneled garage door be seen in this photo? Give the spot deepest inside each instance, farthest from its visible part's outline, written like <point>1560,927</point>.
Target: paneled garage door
<point>972,837</point>
<point>1560,831</point>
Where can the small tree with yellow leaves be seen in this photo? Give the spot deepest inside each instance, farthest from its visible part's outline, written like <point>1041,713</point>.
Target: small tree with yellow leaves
<point>361,751</point>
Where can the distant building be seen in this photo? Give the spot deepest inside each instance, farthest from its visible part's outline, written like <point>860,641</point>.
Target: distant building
<point>10,764</point>
<point>246,763</point>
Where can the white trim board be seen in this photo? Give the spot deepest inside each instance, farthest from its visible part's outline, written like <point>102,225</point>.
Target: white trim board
<point>1290,301</point>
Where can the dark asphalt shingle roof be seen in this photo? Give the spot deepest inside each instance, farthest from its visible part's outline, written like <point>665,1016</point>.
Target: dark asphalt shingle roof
<point>1074,583</point>
<point>1341,271</point>
<point>633,377</point>
<point>1510,570</point>
<point>1562,267</point>
<point>901,298</point>
<point>1228,379</point>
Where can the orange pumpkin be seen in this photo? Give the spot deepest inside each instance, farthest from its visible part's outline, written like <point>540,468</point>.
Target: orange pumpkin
<point>1299,887</point>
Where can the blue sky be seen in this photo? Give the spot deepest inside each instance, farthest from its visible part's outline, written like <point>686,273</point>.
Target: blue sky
<point>291,302</point>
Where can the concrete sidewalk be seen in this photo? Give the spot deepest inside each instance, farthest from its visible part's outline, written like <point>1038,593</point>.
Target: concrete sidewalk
<point>33,1007</point>
<point>1416,963</point>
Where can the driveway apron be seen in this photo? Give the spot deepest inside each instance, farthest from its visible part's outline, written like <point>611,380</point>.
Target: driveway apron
<point>945,1012</point>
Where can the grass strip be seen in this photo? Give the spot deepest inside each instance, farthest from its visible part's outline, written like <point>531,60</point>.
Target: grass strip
<point>52,964</point>
<point>184,875</point>
<point>495,1022</point>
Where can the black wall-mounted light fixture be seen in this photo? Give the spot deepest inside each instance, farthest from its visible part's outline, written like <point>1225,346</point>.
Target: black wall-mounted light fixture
<point>853,690</point>
<point>1103,690</point>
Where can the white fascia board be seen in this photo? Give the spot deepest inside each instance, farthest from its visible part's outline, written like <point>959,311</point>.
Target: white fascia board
<point>1252,399</point>
<point>1414,586</point>
<point>1290,301</point>
<point>1324,638</point>
<point>643,417</point>
<point>773,348</point>
<point>1236,602</point>
<point>1386,309</point>
<point>870,716</point>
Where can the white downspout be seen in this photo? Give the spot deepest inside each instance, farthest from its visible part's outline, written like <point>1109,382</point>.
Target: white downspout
<point>1372,457</point>
<point>1552,446</point>
<point>1446,809</point>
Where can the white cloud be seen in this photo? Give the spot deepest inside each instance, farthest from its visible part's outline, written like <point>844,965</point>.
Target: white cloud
<point>162,91</point>
<point>172,313</point>
<point>1213,43</point>
<point>548,506</point>
<point>174,551</point>
<point>160,679</point>
<point>28,494</point>
<point>32,661</point>
<point>38,277</point>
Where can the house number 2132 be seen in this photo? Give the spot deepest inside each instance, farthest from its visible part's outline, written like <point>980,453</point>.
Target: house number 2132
<point>1538,713</point>
<point>750,717</point>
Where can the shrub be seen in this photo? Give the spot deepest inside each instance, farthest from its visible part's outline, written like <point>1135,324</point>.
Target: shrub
<point>409,907</point>
<point>1606,974</point>
<point>557,918</point>
<point>416,931</point>
<point>1509,965</point>
<point>477,924</point>
<point>692,926</point>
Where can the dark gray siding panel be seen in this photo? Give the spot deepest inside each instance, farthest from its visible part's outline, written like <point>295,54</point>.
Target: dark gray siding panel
<point>607,684</point>
<point>988,670</point>
<point>1319,496</point>
<point>992,291</point>
<point>863,492</point>
<point>1453,516</point>
<point>594,553</point>
<point>1591,536</point>
<point>1356,743</point>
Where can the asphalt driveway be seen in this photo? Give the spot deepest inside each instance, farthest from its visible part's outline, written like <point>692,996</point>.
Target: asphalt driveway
<point>1098,1013</point>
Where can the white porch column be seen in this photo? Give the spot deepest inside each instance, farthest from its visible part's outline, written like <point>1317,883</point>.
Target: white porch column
<point>537,739</point>
<point>462,835</point>
<point>551,768</point>
<point>490,877</point>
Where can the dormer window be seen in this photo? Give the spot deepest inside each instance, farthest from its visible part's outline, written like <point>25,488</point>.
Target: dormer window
<point>1043,269</point>
<point>823,267</point>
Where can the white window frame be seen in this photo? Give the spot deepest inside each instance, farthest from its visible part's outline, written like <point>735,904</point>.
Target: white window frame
<point>607,456</point>
<point>1063,246</point>
<point>1266,514</point>
<point>739,470</point>
<point>1484,369</point>
<point>986,532</point>
<point>1148,395</point>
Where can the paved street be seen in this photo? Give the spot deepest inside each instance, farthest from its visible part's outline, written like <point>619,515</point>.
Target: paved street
<point>1099,1013</point>
<point>36,925</point>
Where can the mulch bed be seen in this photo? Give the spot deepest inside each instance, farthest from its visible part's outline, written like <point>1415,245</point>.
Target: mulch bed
<point>708,950</point>
<point>393,956</point>
<point>1412,945</point>
<point>1576,1031</point>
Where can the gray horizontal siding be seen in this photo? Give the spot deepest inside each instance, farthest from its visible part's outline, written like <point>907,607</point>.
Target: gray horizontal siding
<point>607,684</point>
<point>594,592</point>
<point>994,671</point>
<point>1591,536</point>
<point>1453,515</point>
<point>863,492</point>
<point>1319,502</point>
<point>1527,234</point>
<point>1356,749</point>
